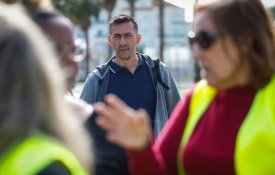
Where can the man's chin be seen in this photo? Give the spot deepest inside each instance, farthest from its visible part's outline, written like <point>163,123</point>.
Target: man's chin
<point>124,56</point>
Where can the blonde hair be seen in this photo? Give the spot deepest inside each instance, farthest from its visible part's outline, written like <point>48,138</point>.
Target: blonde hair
<point>33,4</point>
<point>32,87</point>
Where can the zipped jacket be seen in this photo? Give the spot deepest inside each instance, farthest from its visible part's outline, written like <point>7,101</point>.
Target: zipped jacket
<point>167,94</point>
<point>111,159</point>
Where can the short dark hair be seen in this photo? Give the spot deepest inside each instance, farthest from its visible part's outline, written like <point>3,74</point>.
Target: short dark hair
<point>122,18</point>
<point>40,15</point>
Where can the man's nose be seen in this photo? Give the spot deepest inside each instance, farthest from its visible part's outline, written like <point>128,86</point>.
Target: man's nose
<point>123,40</point>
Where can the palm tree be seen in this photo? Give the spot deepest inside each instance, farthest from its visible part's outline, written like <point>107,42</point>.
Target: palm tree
<point>132,7</point>
<point>161,29</point>
<point>109,6</point>
<point>80,11</point>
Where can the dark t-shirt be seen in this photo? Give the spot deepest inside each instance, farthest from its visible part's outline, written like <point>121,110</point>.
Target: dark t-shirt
<point>135,89</point>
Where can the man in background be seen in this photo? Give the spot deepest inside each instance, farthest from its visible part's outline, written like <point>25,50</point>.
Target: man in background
<point>138,80</point>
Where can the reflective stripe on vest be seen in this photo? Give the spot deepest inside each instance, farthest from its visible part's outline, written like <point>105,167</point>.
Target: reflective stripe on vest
<point>36,153</point>
<point>201,90</point>
<point>255,142</point>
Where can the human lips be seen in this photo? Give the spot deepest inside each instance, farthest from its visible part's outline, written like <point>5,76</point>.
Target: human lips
<point>123,48</point>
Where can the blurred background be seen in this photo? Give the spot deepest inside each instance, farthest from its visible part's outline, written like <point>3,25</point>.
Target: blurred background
<point>163,25</point>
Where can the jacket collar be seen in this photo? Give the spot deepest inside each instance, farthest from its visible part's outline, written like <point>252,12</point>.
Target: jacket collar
<point>102,70</point>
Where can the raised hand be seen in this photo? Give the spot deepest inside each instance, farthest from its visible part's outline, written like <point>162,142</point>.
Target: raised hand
<point>125,126</point>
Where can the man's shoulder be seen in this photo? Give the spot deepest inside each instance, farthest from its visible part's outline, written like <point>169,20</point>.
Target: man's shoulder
<point>152,61</point>
<point>148,60</point>
<point>99,71</point>
<point>101,67</point>
<point>144,56</point>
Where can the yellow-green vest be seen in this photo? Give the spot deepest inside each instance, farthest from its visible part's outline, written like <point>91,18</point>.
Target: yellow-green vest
<point>34,154</point>
<point>255,144</point>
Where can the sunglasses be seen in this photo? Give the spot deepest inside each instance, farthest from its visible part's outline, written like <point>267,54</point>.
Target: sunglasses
<point>204,39</point>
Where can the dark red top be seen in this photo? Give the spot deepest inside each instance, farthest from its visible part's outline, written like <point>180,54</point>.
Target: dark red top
<point>210,149</point>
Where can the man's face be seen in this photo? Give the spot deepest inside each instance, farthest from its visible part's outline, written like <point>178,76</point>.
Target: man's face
<point>123,39</point>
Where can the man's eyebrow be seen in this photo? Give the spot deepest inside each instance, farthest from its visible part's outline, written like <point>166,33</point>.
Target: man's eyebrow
<point>122,33</point>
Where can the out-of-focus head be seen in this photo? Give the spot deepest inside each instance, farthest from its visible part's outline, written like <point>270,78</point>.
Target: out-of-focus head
<point>233,39</point>
<point>32,88</point>
<point>59,30</point>
<point>29,93</point>
<point>33,4</point>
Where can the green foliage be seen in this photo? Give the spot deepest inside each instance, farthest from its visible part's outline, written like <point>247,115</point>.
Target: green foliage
<point>78,10</point>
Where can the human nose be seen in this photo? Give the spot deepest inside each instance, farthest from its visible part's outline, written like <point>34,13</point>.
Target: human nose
<point>74,54</point>
<point>67,56</point>
<point>196,51</point>
<point>122,40</point>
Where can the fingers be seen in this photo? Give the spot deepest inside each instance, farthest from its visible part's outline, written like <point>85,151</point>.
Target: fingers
<point>115,102</point>
<point>143,117</point>
<point>106,119</point>
<point>121,139</point>
<point>124,126</point>
<point>118,105</point>
<point>137,137</point>
<point>112,113</point>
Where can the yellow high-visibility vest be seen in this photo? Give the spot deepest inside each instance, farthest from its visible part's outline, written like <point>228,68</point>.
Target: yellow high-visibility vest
<point>255,144</point>
<point>34,154</point>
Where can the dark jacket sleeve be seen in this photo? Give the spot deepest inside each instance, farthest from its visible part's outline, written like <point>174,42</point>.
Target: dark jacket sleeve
<point>55,168</point>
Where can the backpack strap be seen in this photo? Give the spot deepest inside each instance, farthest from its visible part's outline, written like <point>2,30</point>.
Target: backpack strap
<point>157,74</point>
<point>155,70</point>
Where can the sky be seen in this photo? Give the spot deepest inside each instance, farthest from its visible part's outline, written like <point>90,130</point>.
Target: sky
<point>188,6</point>
<point>269,2</point>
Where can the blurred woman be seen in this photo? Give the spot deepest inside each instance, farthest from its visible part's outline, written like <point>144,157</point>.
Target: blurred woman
<point>60,31</point>
<point>226,124</point>
<point>39,133</point>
